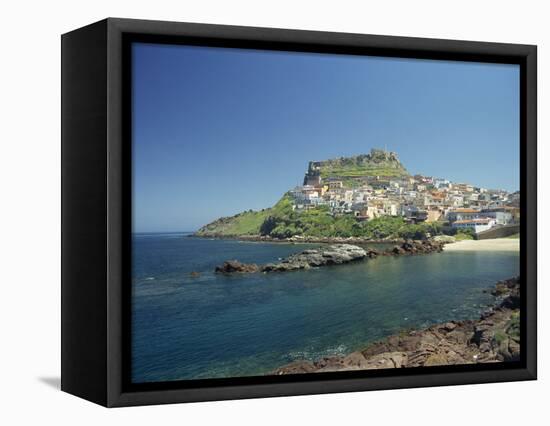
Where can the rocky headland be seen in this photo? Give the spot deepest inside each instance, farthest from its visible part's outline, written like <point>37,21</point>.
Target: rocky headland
<point>285,219</point>
<point>494,337</point>
<point>333,254</point>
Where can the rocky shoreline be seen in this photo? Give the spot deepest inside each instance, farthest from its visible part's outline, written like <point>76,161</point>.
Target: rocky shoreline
<point>297,239</point>
<point>494,337</point>
<point>334,254</point>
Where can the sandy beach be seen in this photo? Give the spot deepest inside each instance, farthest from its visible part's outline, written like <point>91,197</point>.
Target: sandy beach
<point>499,244</point>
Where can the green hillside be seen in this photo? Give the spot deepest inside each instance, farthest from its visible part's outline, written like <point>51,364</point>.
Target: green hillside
<point>246,223</point>
<point>282,221</point>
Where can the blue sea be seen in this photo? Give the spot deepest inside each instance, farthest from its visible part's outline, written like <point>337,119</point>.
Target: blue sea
<point>212,326</point>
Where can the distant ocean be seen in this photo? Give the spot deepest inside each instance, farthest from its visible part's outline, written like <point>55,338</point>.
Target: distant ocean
<point>211,326</point>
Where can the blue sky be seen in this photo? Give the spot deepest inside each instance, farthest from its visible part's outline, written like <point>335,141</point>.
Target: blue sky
<point>217,131</point>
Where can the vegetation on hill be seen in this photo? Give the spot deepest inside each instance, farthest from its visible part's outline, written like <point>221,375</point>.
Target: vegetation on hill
<point>377,163</point>
<point>246,223</point>
<point>460,236</point>
<point>281,221</point>
<point>461,233</point>
<point>360,171</point>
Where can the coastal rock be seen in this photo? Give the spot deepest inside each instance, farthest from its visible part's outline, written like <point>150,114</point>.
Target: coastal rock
<point>509,290</point>
<point>298,367</point>
<point>416,247</point>
<point>494,337</point>
<point>355,359</point>
<point>447,239</point>
<point>449,326</point>
<point>387,360</point>
<point>372,253</point>
<point>436,359</point>
<point>234,266</point>
<point>334,254</point>
<point>513,349</point>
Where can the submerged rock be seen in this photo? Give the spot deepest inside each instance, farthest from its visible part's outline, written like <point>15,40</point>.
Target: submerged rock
<point>234,266</point>
<point>417,247</point>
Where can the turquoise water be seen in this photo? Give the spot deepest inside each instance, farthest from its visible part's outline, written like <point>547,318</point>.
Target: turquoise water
<point>244,325</point>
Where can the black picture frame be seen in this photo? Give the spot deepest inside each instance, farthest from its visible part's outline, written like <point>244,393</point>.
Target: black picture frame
<point>96,210</point>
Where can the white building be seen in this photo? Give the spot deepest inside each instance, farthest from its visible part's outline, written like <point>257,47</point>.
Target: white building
<point>462,214</point>
<point>478,225</point>
<point>457,201</point>
<point>441,183</point>
<point>501,218</point>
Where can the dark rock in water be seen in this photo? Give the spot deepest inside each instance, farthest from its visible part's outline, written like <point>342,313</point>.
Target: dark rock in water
<point>397,250</point>
<point>234,266</point>
<point>511,302</point>
<point>335,254</point>
<point>416,247</point>
<point>372,253</point>
<point>508,290</point>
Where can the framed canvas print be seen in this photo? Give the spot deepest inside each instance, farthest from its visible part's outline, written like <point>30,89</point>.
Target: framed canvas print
<point>251,212</point>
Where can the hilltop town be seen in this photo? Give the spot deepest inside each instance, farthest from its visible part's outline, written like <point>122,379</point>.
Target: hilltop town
<point>416,198</point>
<point>373,195</point>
